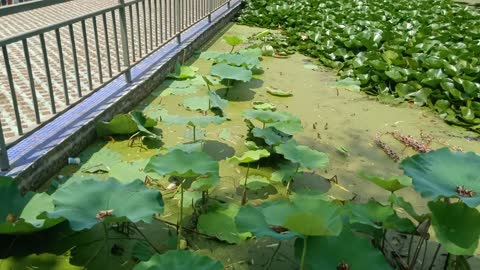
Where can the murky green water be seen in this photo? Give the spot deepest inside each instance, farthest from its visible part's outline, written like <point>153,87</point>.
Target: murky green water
<point>333,118</point>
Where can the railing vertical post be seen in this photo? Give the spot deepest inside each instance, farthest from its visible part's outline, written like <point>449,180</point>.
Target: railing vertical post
<point>123,34</point>
<point>177,21</point>
<point>4,163</point>
<point>228,4</point>
<point>210,8</point>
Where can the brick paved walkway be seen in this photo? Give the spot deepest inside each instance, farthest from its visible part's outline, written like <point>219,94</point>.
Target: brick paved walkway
<point>27,21</point>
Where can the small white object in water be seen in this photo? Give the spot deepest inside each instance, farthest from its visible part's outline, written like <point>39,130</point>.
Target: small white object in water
<point>172,186</point>
<point>72,160</point>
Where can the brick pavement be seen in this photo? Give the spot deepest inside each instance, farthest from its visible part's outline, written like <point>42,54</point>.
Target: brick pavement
<point>30,20</point>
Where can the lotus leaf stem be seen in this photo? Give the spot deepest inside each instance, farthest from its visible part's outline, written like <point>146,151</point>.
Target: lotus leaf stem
<point>434,256</point>
<point>244,196</point>
<point>270,261</point>
<point>304,254</point>
<point>291,179</point>
<point>180,219</point>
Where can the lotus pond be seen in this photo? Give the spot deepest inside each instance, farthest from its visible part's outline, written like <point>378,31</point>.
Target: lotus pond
<point>246,158</point>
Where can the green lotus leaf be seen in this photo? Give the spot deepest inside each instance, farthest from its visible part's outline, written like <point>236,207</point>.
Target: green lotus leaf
<point>143,123</point>
<point>234,40</point>
<point>267,116</point>
<point>205,183</point>
<point>220,223</point>
<point>208,55</point>
<point>303,155</point>
<point>438,173</point>
<point>126,172</point>
<point>175,84</point>
<point>251,156</point>
<point>183,164</point>
<point>195,121</point>
<point>255,53</point>
<point>183,72</point>
<point>228,72</point>
<point>225,134</point>
<point>155,112</point>
<point>271,135</point>
<point>188,147</point>
<point>179,91</point>
<point>127,124</point>
<point>285,172</point>
<point>179,260</point>
<point>239,60</point>
<point>23,214</point>
<point>347,83</point>
<point>257,182</point>
<point>190,198</point>
<point>347,248</point>
<point>402,203</point>
<point>391,184</point>
<point>40,261</point>
<point>456,225</point>
<point>109,201</point>
<point>217,102</point>
<point>251,219</point>
<point>290,127</point>
<point>278,92</point>
<point>197,103</point>
<point>260,105</point>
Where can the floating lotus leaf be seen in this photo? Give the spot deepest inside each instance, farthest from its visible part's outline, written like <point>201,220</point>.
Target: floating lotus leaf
<point>278,92</point>
<point>347,83</point>
<point>440,172</point>
<point>251,156</point>
<point>197,103</point>
<point>234,40</point>
<point>271,135</point>
<point>303,155</point>
<point>188,147</point>
<point>175,84</point>
<point>457,226</point>
<point>220,223</point>
<point>155,112</point>
<point>23,214</point>
<point>228,72</point>
<point>183,72</point>
<point>257,182</point>
<point>311,67</point>
<point>391,184</point>
<point>208,55</point>
<point>87,203</point>
<point>239,60</point>
<point>127,172</point>
<point>179,260</point>
<point>355,251</point>
<point>182,164</point>
<point>127,124</point>
<point>267,116</point>
<point>254,52</point>
<point>290,126</point>
<point>251,219</point>
<point>179,91</point>
<point>260,105</point>
<point>195,121</point>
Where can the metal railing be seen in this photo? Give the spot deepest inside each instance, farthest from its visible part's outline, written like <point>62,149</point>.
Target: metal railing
<point>78,56</point>
<point>12,2</point>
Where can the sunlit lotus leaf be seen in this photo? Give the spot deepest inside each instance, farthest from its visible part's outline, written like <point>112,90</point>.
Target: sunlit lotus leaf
<point>278,92</point>
<point>127,124</point>
<point>234,40</point>
<point>183,72</point>
<point>183,164</point>
<point>208,55</point>
<point>197,103</point>
<point>303,155</point>
<point>220,223</point>
<point>179,91</point>
<point>260,105</point>
<point>354,85</point>
<point>179,260</point>
<point>290,126</point>
<point>441,172</point>
<point>253,52</point>
<point>87,203</point>
<point>407,207</point>
<point>456,225</point>
<point>228,72</point>
<point>239,60</point>
<point>251,156</point>
<point>391,184</point>
<point>267,116</point>
<point>205,183</point>
<point>143,123</point>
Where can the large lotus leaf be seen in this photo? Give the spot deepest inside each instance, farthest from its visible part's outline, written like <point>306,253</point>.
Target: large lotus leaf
<point>196,121</point>
<point>253,52</point>
<point>143,123</point>
<point>290,126</point>
<point>88,202</point>
<point>285,172</point>
<point>267,116</point>
<point>205,183</point>
<point>183,164</point>
<point>188,147</point>
<point>179,260</point>
<point>23,214</point>
<point>438,173</point>
<point>197,103</point>
<point>239,60</point>
<point>220,223</point>
<point>303,155</point>
<point>228,72</point>
<point>179,91</point>
<point>121,124</point>
<point>251,156</point>
<point>127,172</point>
<point>271,135</point>
<point>391,184</point>
<point>190,198</point>
<point>217,102</point>
<point>251,219</point>
<point>208,55</point>
<point>183,72</point>
<point>234,40</point>
<point>257,182</point>
<point>357,252</point>
<point>347,83</point>
<point>457,226</point>
<point>408,207</point>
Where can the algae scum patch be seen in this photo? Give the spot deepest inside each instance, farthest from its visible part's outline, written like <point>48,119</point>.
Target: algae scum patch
<point>265,161</point>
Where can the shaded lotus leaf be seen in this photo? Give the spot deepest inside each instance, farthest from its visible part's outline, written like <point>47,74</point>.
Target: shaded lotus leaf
<point>228,72</point>
<point>251,156</point>
<point>195,121</point>
<point>267,116</point>
<point>253,52</point>
<point>109,201</point>
<point>440,172</point>
<point>197,103</point>
<point>251,145</point>
<point>205,80</point>
<point>183,72</point>
<point>179,91</point>
<point>40,261</point>
<point>257,182</point>
<point>143,123</point>
<point>182,164</point>
<point>127,124</point>
<point>225,134</point>
<point>175,84</point>
<point>456,225</point>
<point>402,203</point>
<point>391,184</point>
<point>190,198</point>
<point>290,126</point>
<point>234,40</point>
<point>278,92</point>
<point>271,135</point>
<point>220,223</point>
<point>217,102</point>
<point>179,260</point>
<point>260,105</point>
<point>285,172</point>
<point>205,183</point>
<point>251,219</point>
<point>347,248</point>
<point>23,214</point>
<point>303,155</point>
<point>188,147</point>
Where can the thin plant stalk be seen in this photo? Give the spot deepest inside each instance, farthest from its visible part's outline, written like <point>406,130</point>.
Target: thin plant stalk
<point>304,254</point>
<point>180,219</point>
<point>291,180</point>
<point>194,134</point>
<point>270,261</point>
<point>244,196</point>
<point>228,87</point>
<point>445,266</point>
<point>146,238</point>
<point>410,248</point>
<point>424,254</point>
<point>434,256</point>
